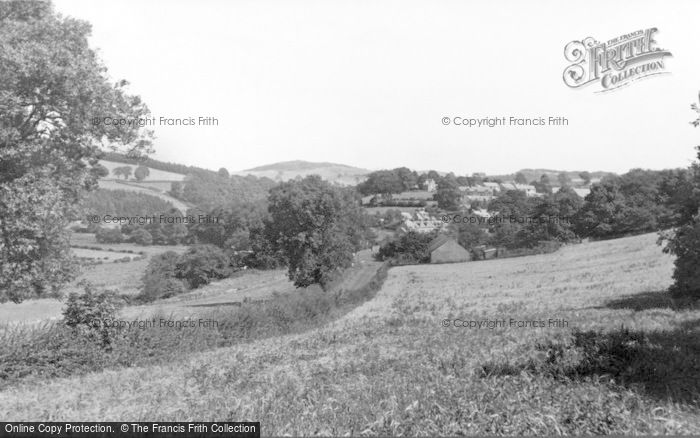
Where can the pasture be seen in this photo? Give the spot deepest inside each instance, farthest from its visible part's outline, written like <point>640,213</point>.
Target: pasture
<point>627,362</point>
<point>124,277</point>
<point>153,174</point>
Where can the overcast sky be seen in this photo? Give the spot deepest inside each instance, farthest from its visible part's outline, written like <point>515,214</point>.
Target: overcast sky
<point>366,83</point>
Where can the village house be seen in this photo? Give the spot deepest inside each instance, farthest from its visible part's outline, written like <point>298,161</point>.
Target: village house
<point>444,249</point>
<point>529,190</point>
<point>429,185</point>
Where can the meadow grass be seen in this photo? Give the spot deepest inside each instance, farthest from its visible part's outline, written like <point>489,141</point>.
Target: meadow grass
<point>627,363</point>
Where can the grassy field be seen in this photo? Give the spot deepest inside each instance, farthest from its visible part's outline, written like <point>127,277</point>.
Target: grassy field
<point>88,239</point>
<point>627,363</point>
<point>124,277</point>
<point>153,174</point>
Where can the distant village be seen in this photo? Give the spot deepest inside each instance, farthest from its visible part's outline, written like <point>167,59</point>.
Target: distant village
<point>474,198</point>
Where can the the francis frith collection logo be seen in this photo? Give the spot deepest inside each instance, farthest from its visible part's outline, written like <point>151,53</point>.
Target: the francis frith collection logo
<point>614,63</point>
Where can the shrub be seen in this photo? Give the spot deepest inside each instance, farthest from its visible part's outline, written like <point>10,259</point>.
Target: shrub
<point>685,245</point>
<point>141,237</point>
<point>159,280</point>
<point>109,235</point>
<point>87,313</point>
<point>410,248</point>
<point>201,264</point>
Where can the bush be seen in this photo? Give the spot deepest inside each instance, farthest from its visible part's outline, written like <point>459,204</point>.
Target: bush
<point>159,280</point>
<point>141,237</point>
<point>87,313</point>
<point>109,235</point>
<point>685,245</point>
<point>411,248</point>
<point>201,264</point>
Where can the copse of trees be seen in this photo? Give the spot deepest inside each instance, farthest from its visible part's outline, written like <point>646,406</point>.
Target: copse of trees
<point>631,203</point>
<point>52,83</point>
<point>99,171</point>
<point>124,171</point>
<point>229,227</point>
<point>382,182</point>
<point>169,273</point>
<point>401,179</point>
<point>552,219</point>
<point>209,190</point>
<point>410,248</point>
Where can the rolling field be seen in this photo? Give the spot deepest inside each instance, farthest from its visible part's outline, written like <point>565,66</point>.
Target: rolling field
<point>116,185</point>
<point>124,277</point>
<point>626,362</point>
<point>153,174</point>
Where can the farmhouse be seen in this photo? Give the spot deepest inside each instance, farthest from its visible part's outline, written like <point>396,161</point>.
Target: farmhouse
<point>444,249</point>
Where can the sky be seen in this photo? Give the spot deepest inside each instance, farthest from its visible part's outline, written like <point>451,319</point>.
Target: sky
<point>367,82</point>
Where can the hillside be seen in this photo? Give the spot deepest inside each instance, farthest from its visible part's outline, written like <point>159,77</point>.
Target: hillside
<point>398,365</point>
<point>284,171</point>
<point>157,183</point>
<point>154,174</point>
<point>108,184</point>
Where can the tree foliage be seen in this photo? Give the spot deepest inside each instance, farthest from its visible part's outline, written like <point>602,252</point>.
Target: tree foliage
<point>53,86</point>
<point>520,178</point>
<point>201,264</point>
<point>448,195</point>
<point>124,171</point>
<point>141,173</point>
<point>628,204</point>
<point>409,248</point>
<point>685,241</point>
<point>316,226</point>
<point>229,226</point>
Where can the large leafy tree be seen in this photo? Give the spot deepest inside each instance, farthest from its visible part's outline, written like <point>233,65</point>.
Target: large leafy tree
<point>54,93</point>
<point>141,173</point>
<point>448,195</point>
<point>552,219</point>
<point>315,226</point>
<point>510,209</point>
<point>685,241</point>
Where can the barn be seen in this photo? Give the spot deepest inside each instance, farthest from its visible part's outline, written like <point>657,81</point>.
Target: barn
<point>444,249</point>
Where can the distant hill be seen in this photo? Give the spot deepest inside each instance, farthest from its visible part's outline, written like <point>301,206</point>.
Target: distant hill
<point>284,171</point>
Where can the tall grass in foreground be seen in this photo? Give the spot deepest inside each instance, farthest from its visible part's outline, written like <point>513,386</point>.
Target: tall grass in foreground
<point>53,349</point>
